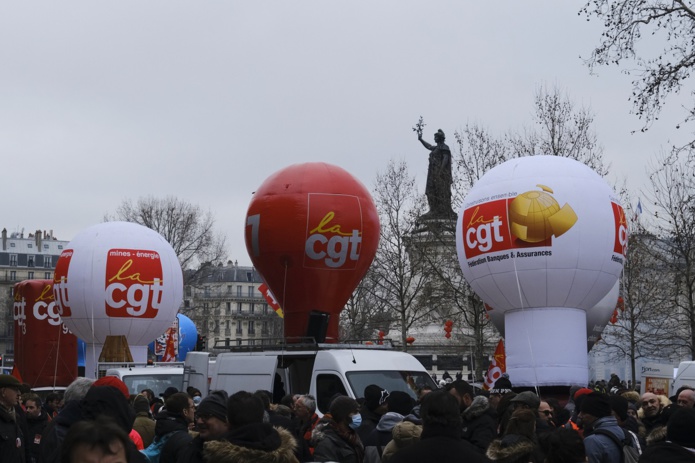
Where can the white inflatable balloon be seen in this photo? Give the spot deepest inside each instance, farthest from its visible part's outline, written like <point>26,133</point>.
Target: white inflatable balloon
<point>542,240</point>
<point>118,278</point>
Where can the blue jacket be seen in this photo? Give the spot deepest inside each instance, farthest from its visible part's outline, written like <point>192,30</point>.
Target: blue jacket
<point>601,449</point>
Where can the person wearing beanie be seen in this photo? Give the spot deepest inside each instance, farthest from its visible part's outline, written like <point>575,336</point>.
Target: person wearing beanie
<point>680,443</point>
<point>144,424</point>
<point>502,386</point>
<point>399,404</point>
<point>372,409</point>
<point>335,438</point>
<point>211,424</point>
<point>113,382</point>
<point>597,419</point>
<point>249,439</point>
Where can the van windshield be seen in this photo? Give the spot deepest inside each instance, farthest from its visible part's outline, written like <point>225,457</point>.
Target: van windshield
<point>389,380</point>
<point>158,383</point>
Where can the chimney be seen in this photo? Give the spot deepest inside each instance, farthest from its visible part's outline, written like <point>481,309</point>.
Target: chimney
<point>37,238</point>
<point>4,239</point>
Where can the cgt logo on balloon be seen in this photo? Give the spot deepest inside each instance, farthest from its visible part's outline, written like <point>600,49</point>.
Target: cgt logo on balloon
<point>133,283</point>
<point>620,245</point>
<point>530,220</point>
<point>43,308</point>
<point>60,283</point>
<point>334,232</point>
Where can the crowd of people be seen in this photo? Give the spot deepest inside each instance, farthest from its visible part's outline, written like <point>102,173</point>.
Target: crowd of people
<point>99,421</point>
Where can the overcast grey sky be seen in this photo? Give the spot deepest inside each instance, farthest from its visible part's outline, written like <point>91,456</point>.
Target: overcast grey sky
<point>101,101</point>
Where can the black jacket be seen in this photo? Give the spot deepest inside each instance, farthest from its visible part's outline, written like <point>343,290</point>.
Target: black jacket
<point>479,424</point>
<point>36,427</point>
<point>168,423</point>
<point>439,445</point>
<point>13,432</point>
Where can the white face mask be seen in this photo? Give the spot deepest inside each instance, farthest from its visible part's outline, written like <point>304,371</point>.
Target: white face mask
<point>196,400</point>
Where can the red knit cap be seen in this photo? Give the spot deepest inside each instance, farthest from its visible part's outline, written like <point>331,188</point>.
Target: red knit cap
<point>581,392</point>
<point>113,382</point>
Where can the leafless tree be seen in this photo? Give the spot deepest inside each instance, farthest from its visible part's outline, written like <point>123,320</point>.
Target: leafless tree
<point>651,40</point>
<point>642,329</point>
<point>400,280</point>
<point>560,129</point>
<point>364,314</point>
<point>673,197</point>
<point>188,228</point>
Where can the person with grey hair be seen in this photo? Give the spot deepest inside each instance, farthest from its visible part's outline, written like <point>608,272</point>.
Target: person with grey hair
<point>77,389</point>
<point>305,411</point>
<point>58,428</point>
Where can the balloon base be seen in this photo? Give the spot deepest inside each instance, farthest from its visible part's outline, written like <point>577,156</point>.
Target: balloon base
<point>546,347</point>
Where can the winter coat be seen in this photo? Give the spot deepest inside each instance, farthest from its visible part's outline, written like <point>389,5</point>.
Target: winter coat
<point>479,424</point>
<point>404,434</point>
<point>12,432</point>
<point>168,423</point>
<point>253,443</point>
<point>369,422</point>
<point>54,433</point>
<point>329,446</point>
<point>36,427</point>
<point>439,444</point>
<point>512,448</point>
<point>144,425</point>
<point>378,439</point>
<point>602,449</point>
<point>667,452</point>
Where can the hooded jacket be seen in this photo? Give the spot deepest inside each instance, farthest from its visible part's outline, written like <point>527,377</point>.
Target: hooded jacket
<point>512,448</point>
<point>168,423</point>
<point>405,433</point>
<point>601,448</point>
<point>479,424</point>
<point>252,443</point>
<point>377,440</point>
<point>55,432</point>
<point>36,427</point>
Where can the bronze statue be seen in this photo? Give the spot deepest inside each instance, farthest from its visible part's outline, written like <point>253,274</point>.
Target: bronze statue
<point>438,187</point>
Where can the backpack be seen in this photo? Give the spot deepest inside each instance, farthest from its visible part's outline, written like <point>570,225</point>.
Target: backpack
<point>154,450</point>
<point>628,453</point>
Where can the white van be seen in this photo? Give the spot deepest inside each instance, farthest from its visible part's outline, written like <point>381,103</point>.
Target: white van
<point>156,378</point>
<point>324,371</point>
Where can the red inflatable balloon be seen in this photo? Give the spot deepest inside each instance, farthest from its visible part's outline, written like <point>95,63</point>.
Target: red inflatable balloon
<point>45,350</point>
<point>312,231</point>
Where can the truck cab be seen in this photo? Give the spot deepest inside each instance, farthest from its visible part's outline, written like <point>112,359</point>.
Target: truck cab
<point>323,370</point>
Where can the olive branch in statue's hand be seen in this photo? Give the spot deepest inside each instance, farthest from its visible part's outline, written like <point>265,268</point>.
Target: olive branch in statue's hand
<point>419,127</point>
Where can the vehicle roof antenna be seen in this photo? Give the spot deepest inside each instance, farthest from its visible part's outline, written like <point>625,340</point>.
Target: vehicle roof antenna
<point>352,353</point>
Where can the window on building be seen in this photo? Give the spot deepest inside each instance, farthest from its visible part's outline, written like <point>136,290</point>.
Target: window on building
<point>252,328</point>
<point>238,290</point>
<point>13,275</point>
<point>47,275</point>
<point>60,246</point>
<point>205,305</point>
<point>226,325</point>
<point>238,328</point>
<point>252,308</point>
<point>30,261</point>
<point>265,328</point>
<point>265,309</point>
<point>11,245</point>
<point>47,262</point>
<point>29,245</point>
<point>30,275</point>
<point>249,276</point>
<point>186,303</point>
<point>238,307</point>
<point>238,341</point>
<point>229,289</point>
<point>250,291</point>
<point>188,291</point>
<point>252,342</point>
<point>45,246</point>
<point>229,308</point>
<point>206,290</point>
<point>13,260</point>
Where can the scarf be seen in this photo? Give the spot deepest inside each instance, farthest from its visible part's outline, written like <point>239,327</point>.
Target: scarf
<point>349,436</point>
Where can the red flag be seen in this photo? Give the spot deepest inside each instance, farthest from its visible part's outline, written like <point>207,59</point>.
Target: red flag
<point>170,350</point>
<point>270,299</point>
<point>497,367</point>
<point>15,373</point>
